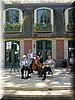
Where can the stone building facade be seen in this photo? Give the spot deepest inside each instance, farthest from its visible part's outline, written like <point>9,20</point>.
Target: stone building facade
<point>41,27</point>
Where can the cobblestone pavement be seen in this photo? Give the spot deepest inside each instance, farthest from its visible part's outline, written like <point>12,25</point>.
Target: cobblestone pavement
<point>60,84</point>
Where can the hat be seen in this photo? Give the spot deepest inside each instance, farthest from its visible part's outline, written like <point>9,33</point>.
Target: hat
<point>24,56</point>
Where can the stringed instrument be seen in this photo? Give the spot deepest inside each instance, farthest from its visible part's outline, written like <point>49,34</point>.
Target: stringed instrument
<point>36,64</point>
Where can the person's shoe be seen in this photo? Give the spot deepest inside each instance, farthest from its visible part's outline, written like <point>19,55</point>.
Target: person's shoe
<point>22,77</point>
<point>43,79</point>
<point>28,76</point>
<point>40,76</point>
<point>48,73</point>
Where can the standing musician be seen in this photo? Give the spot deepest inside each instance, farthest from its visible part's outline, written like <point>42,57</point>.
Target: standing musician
<point>47,67</point>
<point>30,59</point>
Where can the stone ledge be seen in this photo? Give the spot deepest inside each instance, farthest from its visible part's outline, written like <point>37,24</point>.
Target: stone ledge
<point>39,89</point>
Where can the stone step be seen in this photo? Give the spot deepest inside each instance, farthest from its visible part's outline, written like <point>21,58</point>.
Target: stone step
<point>38,88</point>
<point>37,93</point>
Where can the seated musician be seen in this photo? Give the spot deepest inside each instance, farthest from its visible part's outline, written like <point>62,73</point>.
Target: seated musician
<point>25,67</point>
<point>47,67</point>
<point>36,64</point>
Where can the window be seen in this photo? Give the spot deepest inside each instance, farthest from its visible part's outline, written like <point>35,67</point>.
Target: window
<point>12,16</point>
<point>71,46</point>
<point>13,20</point>
<point>12,52</point>
<point>43,20</point>
<point>70,19</point>
<point>43,48</point>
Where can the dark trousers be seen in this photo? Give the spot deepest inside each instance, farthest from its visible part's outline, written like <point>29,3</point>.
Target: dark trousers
<point>40,71</point>
<point>25,68</point>
<point>45,70</point>
<point>31,70</point>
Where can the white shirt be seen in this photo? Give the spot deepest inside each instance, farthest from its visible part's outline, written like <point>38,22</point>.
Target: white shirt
<point>49,61</point>
<point>30,57</point>
<point>71,60</point>
<point>23,62</point>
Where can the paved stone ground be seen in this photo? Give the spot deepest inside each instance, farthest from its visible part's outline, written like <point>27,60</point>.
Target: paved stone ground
<point>60,84</point>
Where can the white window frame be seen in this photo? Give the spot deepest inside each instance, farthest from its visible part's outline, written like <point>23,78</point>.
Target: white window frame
<point>66,18</point>
<point>35,15</point>
<point>20,18</point>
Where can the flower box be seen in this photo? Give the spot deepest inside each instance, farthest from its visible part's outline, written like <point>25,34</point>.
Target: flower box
<point>42,27</point>
<point>71,27</point>
<point>12,27</point>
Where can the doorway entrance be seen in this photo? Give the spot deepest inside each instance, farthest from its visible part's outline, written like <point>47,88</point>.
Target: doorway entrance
<point>43,47</point>
<point>71,46</point>
<point>12,53</point>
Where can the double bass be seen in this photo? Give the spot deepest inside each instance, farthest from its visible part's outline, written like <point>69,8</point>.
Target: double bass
<point>36,64</point>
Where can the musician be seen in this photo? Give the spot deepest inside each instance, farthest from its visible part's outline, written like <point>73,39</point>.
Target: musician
<point>30,59</point>
<point>37,65</point>
<point>71,61</point>
<point>47,67</point>
<point>25,67</point>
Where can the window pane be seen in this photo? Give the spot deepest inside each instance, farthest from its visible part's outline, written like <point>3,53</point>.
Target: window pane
<point>39,15</point>
<point>8,45</point>
<point>71,16</point>
<point>43,16</point>
<point>12,16</point>
<point>47,15</point>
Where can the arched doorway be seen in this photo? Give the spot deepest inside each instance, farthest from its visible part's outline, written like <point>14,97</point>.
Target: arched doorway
<point>42,47</point>
<point>12,53</point>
